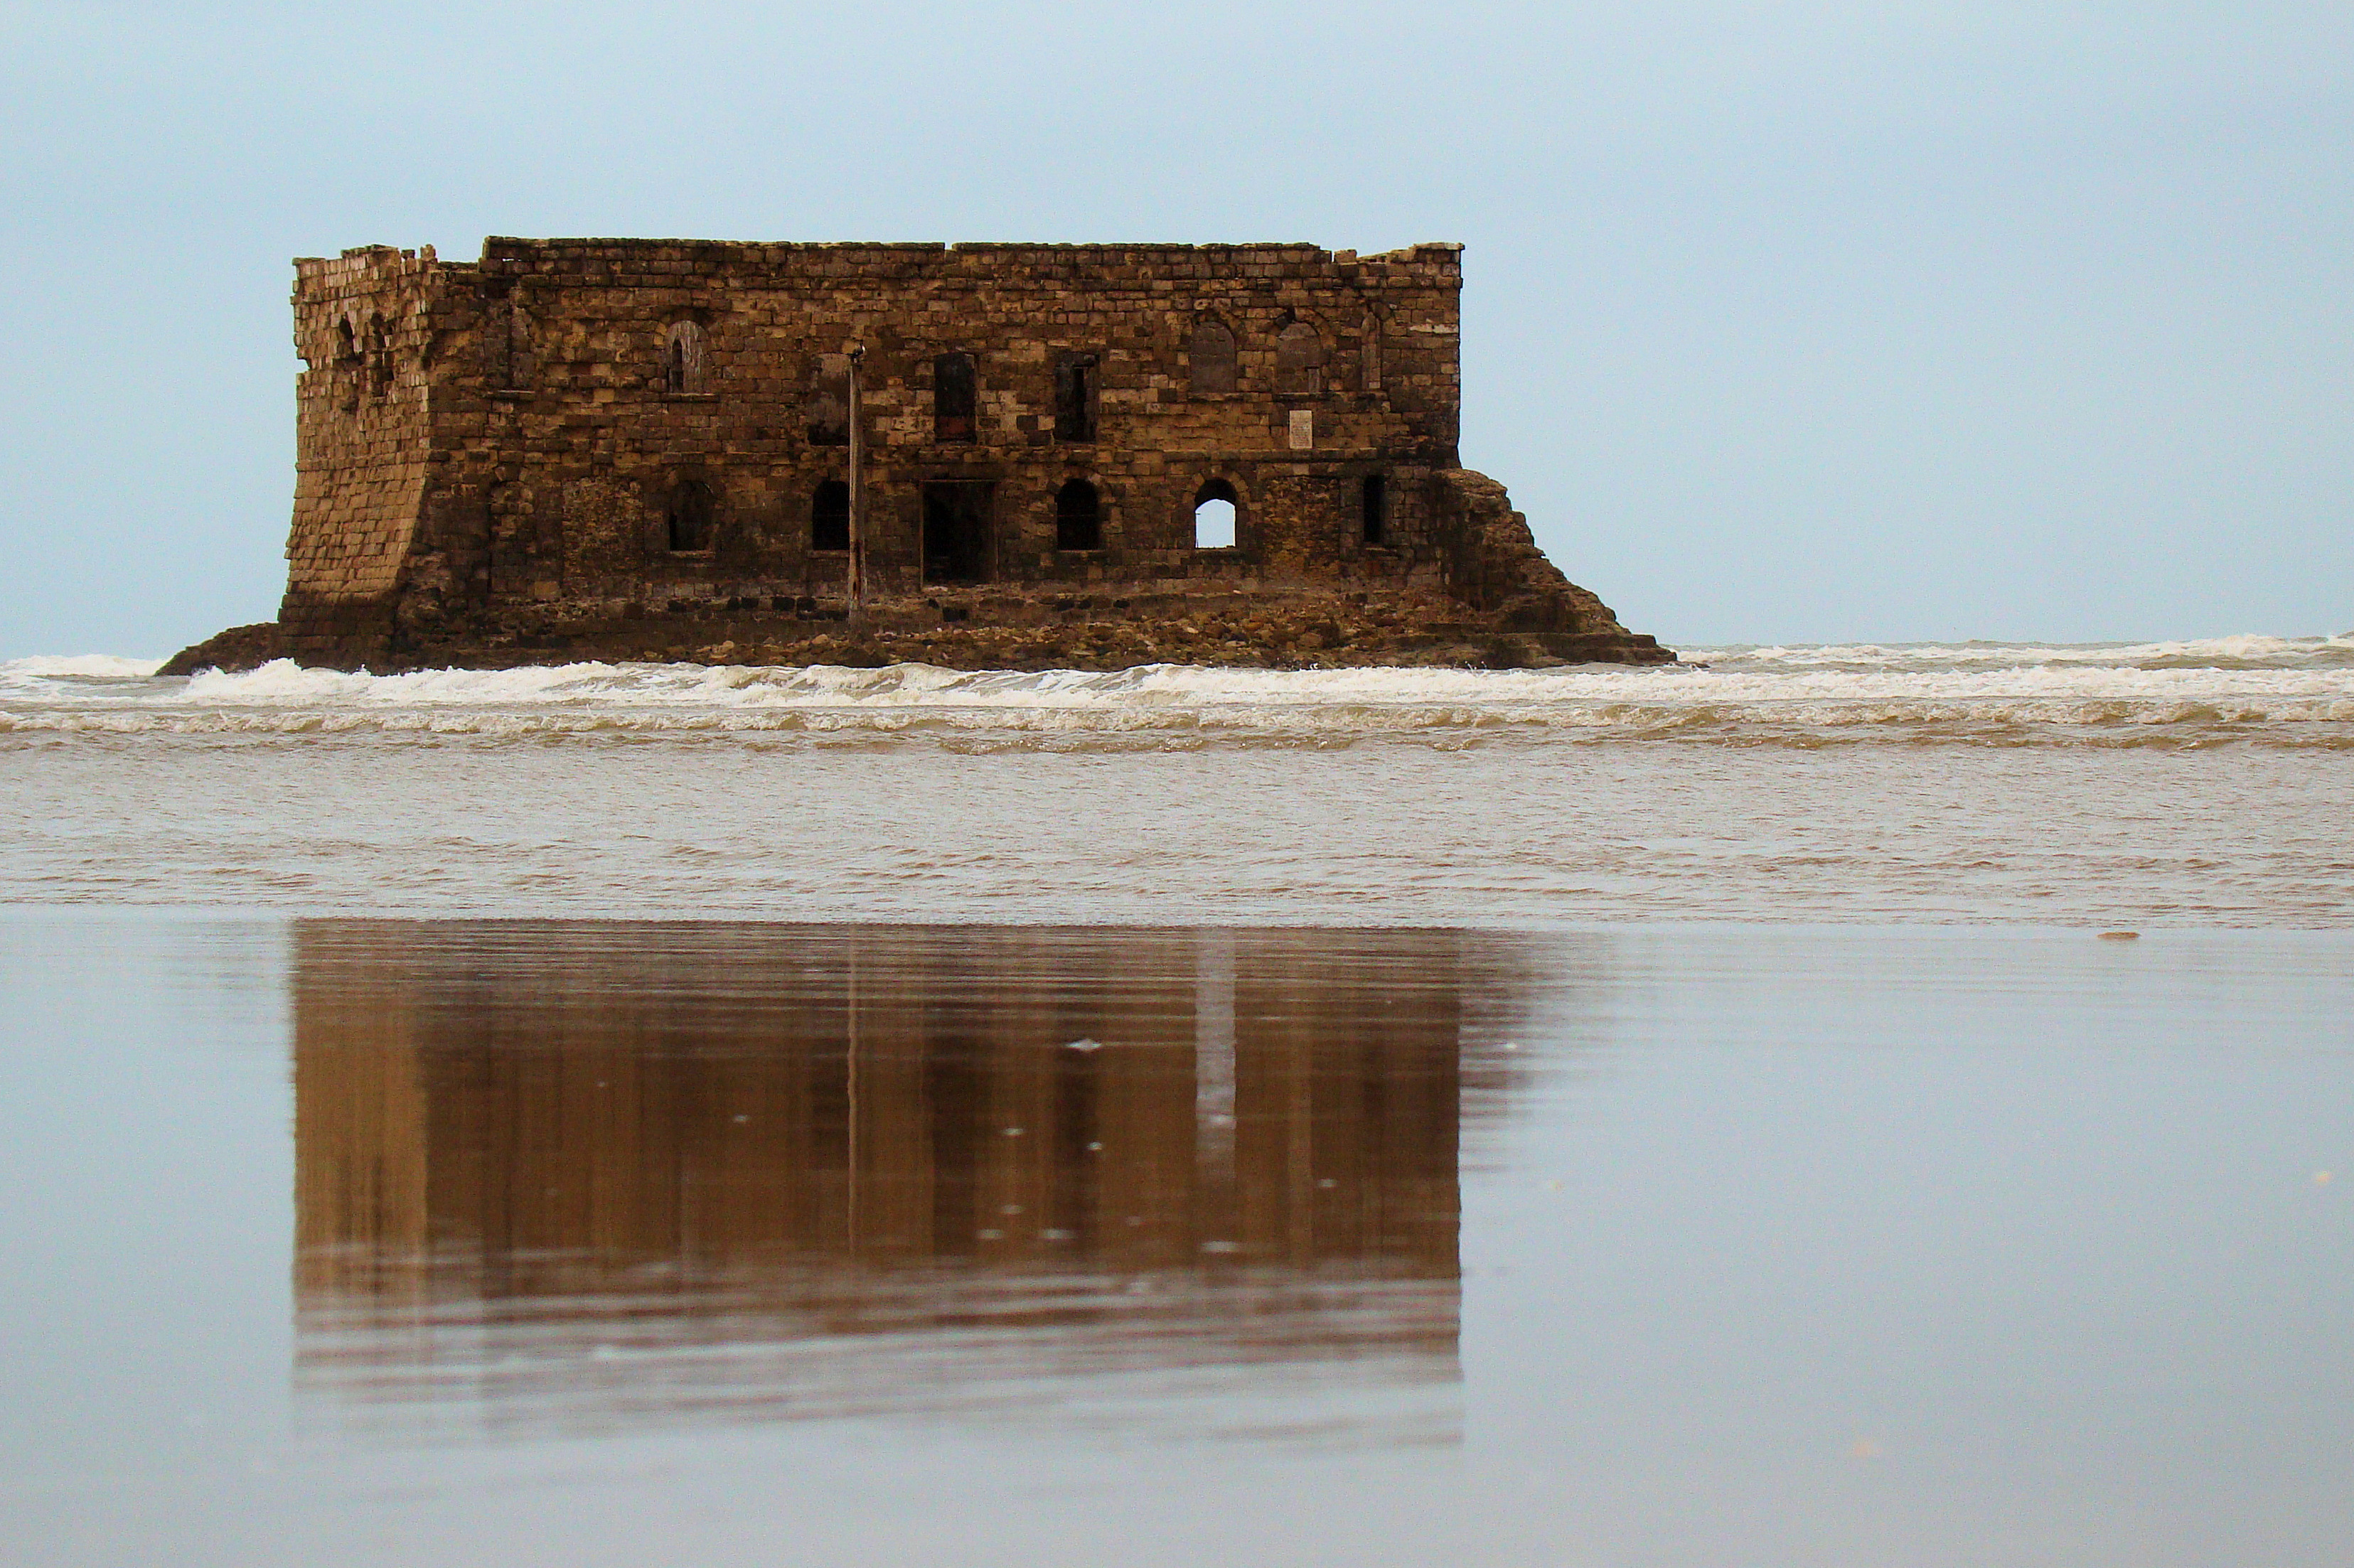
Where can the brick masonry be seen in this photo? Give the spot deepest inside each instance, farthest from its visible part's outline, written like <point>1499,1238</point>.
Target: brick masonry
<point>610,447</point>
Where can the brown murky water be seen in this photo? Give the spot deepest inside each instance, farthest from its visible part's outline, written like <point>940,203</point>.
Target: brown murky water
<point>515,1242</point>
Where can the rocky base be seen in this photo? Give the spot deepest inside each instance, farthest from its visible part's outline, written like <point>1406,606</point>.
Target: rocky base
<point>969,631</point>
<point>238,648</point>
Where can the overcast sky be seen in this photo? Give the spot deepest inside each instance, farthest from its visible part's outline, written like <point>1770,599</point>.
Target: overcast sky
<point>1808,322</point>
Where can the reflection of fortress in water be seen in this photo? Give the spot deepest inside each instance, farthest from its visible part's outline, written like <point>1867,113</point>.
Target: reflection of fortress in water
<point>863,1168</point>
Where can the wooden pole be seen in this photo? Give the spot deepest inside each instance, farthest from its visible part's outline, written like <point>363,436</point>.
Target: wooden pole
<point>858,490</point>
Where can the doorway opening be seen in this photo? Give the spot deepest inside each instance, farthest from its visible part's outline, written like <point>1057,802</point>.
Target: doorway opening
<point>689,518</point>
<point>955,531</point>
<point>1214,517</point>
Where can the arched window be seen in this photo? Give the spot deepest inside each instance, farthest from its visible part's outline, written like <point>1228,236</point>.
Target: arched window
<point>683,358</point>
<point>1078,517</point>
<point>954,397</point>
<point>379,353</point>
<point>1375,505</point>
<point>1210,358</point>
<point>828,402</point>
<point>830,517</point>
<point>1214,515</point>
<point>691,508</point>
<point>498,344</point>
<point>1298,362</point>
<point>506,346</point>
<point>347,365</point>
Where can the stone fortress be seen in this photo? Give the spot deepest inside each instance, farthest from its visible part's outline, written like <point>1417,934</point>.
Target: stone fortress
<point>1070,456</point>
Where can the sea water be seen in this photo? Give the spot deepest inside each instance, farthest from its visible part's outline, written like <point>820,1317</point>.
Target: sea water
<point>1711,1115</point>
<point>2203,782</point>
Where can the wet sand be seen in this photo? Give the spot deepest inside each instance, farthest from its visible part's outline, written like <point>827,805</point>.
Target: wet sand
<point>389,1242</point>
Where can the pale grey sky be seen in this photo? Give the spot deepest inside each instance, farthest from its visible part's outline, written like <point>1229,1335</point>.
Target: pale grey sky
<point>1801,321</point>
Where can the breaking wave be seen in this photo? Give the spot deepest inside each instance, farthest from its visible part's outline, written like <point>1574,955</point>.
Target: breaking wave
<point>2267,690</point>
<point>2242,652</point>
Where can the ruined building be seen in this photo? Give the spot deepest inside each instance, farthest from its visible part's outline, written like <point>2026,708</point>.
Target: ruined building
<point>1085,456</point>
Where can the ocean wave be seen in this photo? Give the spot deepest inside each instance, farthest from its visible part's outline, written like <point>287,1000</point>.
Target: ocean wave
<point>2135,695</point>
<point>2248,651</point>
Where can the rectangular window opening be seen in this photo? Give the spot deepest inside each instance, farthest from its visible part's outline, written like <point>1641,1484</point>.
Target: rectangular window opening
<point>1075,398</point>
<point>954,397</point>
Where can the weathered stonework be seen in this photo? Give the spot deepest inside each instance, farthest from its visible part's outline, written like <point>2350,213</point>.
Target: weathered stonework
<point>631,449</point>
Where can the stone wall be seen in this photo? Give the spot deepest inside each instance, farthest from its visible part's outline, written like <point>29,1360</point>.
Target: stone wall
<point>601,435</point>
<point>362,326</point>
<point>582,429</point>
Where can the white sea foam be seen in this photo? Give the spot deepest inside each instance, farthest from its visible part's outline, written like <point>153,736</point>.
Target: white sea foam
<point>2291,690</point>
<point>99,666</point>
<point>2155,782</point>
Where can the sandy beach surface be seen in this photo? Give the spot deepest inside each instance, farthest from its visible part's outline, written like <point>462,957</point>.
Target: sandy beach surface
<point>1834,1107</point>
